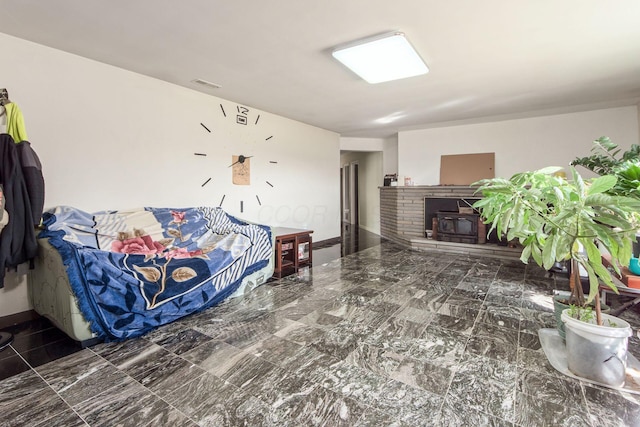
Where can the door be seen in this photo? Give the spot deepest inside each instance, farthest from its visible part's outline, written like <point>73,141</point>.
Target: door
<point>349,190</point>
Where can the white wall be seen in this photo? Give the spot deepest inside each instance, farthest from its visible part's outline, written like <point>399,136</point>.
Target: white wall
<point>113,139</point>
<point>13,297</point>
<point>388,146</point>
<point>361,144</point>
<point>373,178</point>
<point>523,144</point>
<point>638,108</point>
<point>390,161</point>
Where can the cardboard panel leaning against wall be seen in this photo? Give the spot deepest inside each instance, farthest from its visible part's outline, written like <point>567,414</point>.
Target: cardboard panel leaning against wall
<point>465,169</point>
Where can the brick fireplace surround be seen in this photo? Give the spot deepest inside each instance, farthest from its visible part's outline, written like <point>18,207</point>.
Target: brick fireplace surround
<point>402,219</point>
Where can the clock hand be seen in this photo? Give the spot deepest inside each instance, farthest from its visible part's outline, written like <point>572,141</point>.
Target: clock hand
<point>241,159</point>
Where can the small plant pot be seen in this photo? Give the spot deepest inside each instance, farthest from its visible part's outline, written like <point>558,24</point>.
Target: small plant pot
<point>597,353</point>
<point>559,305</point>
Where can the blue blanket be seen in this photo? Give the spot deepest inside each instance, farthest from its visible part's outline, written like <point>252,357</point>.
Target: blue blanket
<point>133,271</point>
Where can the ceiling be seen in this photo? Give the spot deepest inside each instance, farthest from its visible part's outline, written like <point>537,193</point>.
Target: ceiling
<point>488,60</point>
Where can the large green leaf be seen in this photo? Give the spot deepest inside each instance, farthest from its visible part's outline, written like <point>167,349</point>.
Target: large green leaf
<point>563,246</point>
<point>549,252</point>
<point>625,252</point>
<point>604,275</point>
<point>593,281</point>
<point>628,202</point>
<point>482,202</point>
<point>599,200</point>
<point>536,253</point>
<point>578,182</point>
<point>611,220</point>
<point>526,254</point>
<point>593,253</point>
<point>602,184</point>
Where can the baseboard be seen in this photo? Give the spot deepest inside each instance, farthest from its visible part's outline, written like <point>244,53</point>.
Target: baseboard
<point>327,242</point>
<point>14,319</point>
<point>370,230</point>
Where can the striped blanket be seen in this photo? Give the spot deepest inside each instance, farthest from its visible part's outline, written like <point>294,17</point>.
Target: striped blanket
<point>133,271</point>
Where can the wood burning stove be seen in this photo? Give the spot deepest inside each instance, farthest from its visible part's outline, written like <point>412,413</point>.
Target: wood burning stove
<point>457,227</point>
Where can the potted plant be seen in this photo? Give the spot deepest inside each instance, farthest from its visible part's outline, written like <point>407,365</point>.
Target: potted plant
<point>555,219</point>
<point>608,159</point>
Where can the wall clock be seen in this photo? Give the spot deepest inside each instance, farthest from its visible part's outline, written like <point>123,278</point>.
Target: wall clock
<point>243,143</point>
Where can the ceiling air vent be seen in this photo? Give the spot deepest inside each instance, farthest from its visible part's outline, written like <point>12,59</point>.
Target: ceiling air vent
<point>206,83</point>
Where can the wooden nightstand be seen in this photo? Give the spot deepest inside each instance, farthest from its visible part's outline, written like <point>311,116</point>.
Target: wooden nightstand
<point>294,250</point>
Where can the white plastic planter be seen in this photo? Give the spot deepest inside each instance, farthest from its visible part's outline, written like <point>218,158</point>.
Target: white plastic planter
<point>597,353</point>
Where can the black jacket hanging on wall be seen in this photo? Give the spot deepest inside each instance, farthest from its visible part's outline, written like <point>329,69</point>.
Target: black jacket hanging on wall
<point>18,238</point>
<point>33,178</point>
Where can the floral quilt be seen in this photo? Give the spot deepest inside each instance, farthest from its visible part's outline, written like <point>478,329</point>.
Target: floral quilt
<point>133,271</point>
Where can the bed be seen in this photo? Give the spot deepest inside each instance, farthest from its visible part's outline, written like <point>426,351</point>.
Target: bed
<point>114,275</point>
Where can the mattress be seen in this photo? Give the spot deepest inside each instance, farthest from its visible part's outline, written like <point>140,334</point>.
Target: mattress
<point>51,296</point>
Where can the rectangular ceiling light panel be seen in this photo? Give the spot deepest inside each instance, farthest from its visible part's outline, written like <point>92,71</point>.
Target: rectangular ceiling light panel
<point>382,58</point>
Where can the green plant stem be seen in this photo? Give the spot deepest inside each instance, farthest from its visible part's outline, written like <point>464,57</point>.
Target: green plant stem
<point>543,215</point>
<point>575,285</point>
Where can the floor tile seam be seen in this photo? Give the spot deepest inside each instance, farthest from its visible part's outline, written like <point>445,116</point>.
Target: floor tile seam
<point>463,299</point>
<point>514,390</point>
<point>29,365</point>
<point>142,374</point>
<point>164,401</point>
<point>482,411</point>
<point>455,368</point>
<point>567,409</point>
<point>468,338</point>
<point>519,375</point>
<point>368,407</point>
<point>39,347</point>
<point>142,385</point>
<point>9,355</point>
<point>388,316</point>
<point>374,409</point>
<point>45,422</point>
<point>21,334</point>
<point>56,393</point>
<point>108,362</point>
<point>524,391</point>
<point>245,351</point>
<point>513,421</point>
<point>337,392</point>
<point>225,382</point>
<point>363,403</point>
<point>592,416</point>
<point>265,403</point>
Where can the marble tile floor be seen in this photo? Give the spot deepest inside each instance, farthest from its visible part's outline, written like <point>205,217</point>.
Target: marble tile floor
<point>352,239</point>
<point>386,336</point>
<point>37,341</point>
